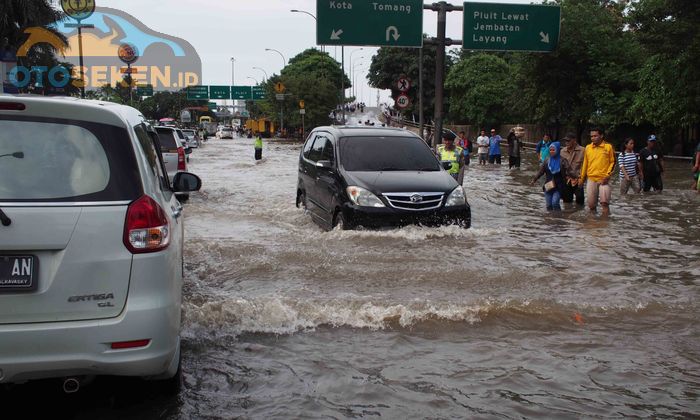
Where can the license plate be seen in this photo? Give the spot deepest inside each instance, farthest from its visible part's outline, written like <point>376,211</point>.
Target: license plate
<point>18,273</point>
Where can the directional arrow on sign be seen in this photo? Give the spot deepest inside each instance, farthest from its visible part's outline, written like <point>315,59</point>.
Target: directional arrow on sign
<point>335,35</point>
<point>395,31</point>
<point>545,37</point>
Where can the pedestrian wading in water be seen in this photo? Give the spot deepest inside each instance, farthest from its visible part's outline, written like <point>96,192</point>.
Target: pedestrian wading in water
<point>554,168</point>
<point>258,147</point>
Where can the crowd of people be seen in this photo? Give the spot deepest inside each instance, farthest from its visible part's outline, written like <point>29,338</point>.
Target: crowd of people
<point>572,173</point>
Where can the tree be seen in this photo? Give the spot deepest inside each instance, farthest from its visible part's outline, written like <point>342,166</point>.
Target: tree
<point>669,93</point>
<point>480,88</point>
<point>18,16</point>
<point>390,64</point>
<point>312,76</point>
<point>590,78</point>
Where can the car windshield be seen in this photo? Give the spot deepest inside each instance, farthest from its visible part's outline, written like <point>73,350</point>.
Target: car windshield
<point>188,133</point>
<point>386,154</point>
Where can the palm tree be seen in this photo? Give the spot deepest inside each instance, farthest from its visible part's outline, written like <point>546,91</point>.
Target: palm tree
<point>20,20</point>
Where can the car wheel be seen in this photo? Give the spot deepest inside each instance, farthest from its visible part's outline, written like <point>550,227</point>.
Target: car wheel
<point>301,200</point>
<point>341,223</point>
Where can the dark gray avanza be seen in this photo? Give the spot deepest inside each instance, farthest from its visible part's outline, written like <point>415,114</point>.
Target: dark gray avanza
<point>374,177</point>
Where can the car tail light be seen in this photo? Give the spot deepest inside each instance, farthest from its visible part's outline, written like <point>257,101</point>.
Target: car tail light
<point>181,165</point>
<point>146,228</point>
<point>12,106</point>
<point>130,344</point>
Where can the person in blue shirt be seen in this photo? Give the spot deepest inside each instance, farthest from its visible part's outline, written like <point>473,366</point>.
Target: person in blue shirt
<point>542,148</point>
<point>494,147</point>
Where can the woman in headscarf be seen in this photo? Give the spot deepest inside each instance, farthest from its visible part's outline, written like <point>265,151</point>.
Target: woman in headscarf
<point>553,168</point>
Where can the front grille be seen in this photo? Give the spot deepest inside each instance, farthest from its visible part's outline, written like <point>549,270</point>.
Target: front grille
<point>415,201</point>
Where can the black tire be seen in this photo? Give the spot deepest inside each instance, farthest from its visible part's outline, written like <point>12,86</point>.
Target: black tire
<point>340,222</point>
<point>301,200</point>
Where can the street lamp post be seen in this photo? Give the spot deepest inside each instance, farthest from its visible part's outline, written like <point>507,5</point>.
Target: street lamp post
<point>254,79</point>
<point>313,16</point>
<point>233,78</point>
<point>353,91</point>
<point>262,70</point>
<point>351,53</point>
<point>284,60</point>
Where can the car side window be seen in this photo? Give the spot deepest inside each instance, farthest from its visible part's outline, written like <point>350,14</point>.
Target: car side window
<point>148,149</point>
<point>317,149</point>
<point>160,167</point>
<point>328,152</point>
<point>307,146</point>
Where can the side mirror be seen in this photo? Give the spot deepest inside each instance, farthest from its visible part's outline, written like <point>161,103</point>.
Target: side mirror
<point>186,182</point>
<point>446,165</point>
<point>326,164</point>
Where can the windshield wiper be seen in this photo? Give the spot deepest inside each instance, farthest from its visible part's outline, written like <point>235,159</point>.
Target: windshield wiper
<point>6,221</point>
<point>387,169</point>
<point>430,169</point>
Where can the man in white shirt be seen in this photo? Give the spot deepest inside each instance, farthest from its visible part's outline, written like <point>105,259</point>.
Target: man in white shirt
<point>483,143</point>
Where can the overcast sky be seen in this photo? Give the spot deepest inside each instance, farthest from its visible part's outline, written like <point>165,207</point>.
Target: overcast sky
<point>221,29</point>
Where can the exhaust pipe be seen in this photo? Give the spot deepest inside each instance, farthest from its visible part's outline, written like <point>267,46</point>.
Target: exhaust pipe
<point>71,385</point>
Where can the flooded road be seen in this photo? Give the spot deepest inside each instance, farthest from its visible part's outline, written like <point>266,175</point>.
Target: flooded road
<point>285,320</point>
<point>526,314</point>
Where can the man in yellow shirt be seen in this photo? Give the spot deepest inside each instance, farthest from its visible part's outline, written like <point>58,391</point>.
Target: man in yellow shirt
<point>597,168</point>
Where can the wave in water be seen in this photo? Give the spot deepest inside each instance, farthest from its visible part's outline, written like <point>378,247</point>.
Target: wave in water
<point>286,316</point>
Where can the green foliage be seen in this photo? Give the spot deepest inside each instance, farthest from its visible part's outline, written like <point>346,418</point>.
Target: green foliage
<point>591,77</point>
<point>16,16</point>
<point>311,76</point>
<point>390,64</point>
<point>669,31</point>
<point>480,88</point>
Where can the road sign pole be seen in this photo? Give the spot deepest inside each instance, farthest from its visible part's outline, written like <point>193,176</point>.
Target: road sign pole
<point>421,117</point>
<point>80,52</point>
<point>342,81</point>
<point>439,72</point>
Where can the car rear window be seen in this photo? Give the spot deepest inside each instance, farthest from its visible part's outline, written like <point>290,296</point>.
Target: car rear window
<point>373,154</point>
<point>167,140</point>
<point>61,160</point>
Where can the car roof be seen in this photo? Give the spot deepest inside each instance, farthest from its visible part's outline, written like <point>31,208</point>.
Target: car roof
<point>350,131</point>
<point>69,108</point>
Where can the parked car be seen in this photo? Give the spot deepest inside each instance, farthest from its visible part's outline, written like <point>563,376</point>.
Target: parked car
<point>224,133</point>
<point>192,138</point>
<point>174,153</point>
<point>352,176</point>
<point>91,244</point>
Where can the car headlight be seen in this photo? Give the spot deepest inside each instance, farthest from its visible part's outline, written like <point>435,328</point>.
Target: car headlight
<point>364,198</point>
<point>456,198</point>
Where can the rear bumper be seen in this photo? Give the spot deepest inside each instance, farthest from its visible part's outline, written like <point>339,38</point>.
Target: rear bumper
<point>60,349</point>
<point>386,216</point>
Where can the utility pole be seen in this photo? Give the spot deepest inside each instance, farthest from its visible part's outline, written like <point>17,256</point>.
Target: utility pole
<point>421,118</point>
<point>342,81</point>
<point>441,8</point>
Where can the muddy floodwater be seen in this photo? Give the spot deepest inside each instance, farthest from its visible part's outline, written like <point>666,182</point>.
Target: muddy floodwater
<point>525,315</point>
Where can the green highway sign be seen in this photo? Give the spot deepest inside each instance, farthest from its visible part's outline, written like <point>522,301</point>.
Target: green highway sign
<point>219,92</point>
<point>389,23</point>
<point>212,106</point>
<point>259,93</point>
<point>241,93</point>
<point>195,93</point>
<point>511,27</point>
<point>144,90</point>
